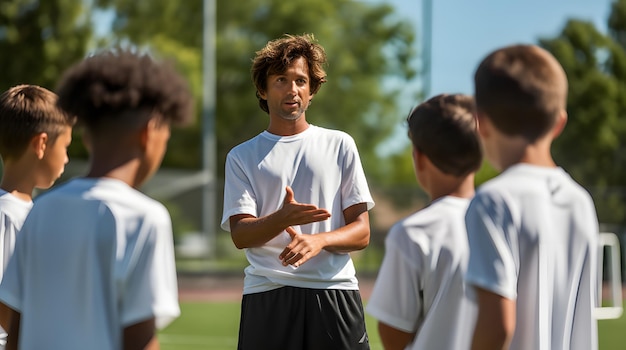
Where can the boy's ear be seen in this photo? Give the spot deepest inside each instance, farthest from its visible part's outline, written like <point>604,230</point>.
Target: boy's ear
<point>482,124</point>
<point>418,159</point>
<point>144,135</point>
<point>38,144</point>
<point>559,124</point>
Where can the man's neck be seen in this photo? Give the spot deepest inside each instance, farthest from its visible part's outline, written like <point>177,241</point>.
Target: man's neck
<point>283,127</point>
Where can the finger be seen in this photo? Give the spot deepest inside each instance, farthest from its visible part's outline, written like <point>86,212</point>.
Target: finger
<point>293,260</point>
<point>314,216</point>
<point>291,231</point>
<point>289,195</point>
<point>284,253</point>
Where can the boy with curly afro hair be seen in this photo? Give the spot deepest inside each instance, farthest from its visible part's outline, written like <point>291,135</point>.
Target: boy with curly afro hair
<point>94,263</point>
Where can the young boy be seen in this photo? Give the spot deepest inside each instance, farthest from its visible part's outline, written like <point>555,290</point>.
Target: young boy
<point>93,266</point>
<point>419,297</point>
<point>34,135</point>
<point>532,230</point>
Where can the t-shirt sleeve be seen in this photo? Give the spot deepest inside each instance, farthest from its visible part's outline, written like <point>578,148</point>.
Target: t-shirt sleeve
<point>11,288</point>
<point>354,188</point>
<point>396,299</point>
<point>151,289</point>
<point>493,246</point>
<point>239,195</point>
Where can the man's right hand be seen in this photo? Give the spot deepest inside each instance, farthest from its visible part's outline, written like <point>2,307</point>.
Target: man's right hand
<point>248,231</point>
<point>299,213</point>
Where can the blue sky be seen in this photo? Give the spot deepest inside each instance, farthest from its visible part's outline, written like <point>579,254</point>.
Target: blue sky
<point>464,31</point>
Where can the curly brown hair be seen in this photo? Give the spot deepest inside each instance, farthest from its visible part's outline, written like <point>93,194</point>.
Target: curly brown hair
<point>116,85</point>
<point>444,128</point>
<point>279,54</point>
<point>25,111</point>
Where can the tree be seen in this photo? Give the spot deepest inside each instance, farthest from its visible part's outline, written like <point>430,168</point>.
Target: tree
<point>365,44</point>
<point>590,147</point>
<point>40,39</point>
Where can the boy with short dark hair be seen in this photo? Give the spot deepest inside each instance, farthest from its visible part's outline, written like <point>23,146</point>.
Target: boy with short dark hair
<point>533,231</point>
<point>94,263</point>
<point>34,136</point>
<point>419,298</point>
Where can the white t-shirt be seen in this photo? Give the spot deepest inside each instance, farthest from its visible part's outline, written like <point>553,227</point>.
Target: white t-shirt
<point>323,168</point>
<point>94,256</point>
<point>533,235</point>
<point>420,285</point>
<point>13,212</point>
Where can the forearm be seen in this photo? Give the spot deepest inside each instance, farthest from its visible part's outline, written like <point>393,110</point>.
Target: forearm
<point>13,331</point>
<point>5,316</point>
<point>248,231</point>
<point>495,324</point>
<point>392,338</point>
<point>351,237</point>
<point>355,235</point>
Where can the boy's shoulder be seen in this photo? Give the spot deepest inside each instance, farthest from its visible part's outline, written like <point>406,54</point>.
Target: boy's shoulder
<point>527,183</point>
<point>111,193</point>
<point>430,221</point>
<point>12,209</point>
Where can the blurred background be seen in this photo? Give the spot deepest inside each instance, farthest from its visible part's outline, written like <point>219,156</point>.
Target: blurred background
<point>384,57</point>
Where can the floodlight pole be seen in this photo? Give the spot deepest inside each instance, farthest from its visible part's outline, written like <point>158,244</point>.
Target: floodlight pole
<point>209,149</point>
<point>427,34</point>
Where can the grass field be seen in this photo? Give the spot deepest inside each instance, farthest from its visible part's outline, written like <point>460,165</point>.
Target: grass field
<point>214,326</point>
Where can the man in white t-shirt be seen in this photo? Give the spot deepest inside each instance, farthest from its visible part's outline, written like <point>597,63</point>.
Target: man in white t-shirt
<point>93,266</point>
<point>296,199</point>
<point>34,135</point>
<point>532,230</point>
<point>420,298</point>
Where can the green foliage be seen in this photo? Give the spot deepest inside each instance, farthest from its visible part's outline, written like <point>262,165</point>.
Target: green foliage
<point>365,43</point>
<point>590,147</point>
<point>39,39</point>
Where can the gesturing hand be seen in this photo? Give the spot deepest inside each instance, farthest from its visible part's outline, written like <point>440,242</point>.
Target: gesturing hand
<point>301,249</point>
<point>299,213</point>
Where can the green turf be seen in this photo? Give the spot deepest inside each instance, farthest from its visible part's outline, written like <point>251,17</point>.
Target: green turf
<point>213,326</point>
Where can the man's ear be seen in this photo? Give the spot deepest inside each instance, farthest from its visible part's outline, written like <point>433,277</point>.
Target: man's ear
<point>38,144</point>
<point>261,94</point>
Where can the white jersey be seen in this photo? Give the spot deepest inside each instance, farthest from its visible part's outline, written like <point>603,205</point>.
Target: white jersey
<point>13,212</point>
<point>93,257</point>
<point>533,235</point>
<point>323,168</point>
<point>420,285</point>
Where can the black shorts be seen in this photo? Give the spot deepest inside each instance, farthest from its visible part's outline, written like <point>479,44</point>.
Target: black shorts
<point>291,318</point>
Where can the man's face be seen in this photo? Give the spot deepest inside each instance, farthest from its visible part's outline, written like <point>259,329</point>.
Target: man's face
<point>288,94</point>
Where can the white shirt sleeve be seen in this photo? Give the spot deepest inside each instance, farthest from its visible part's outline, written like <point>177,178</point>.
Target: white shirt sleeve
<point>354,188</point>
<point>150,287</point>
<point>396,299</point>
<point>493,246</point>
<point>239,197</point>
<point>11,290</point>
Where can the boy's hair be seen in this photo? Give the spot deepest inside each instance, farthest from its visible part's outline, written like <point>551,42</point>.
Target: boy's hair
<point>115,87</point>
<point>444,128</point>
<point>521,89</point>
<point>278,55</point>
<point>26,111</point>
